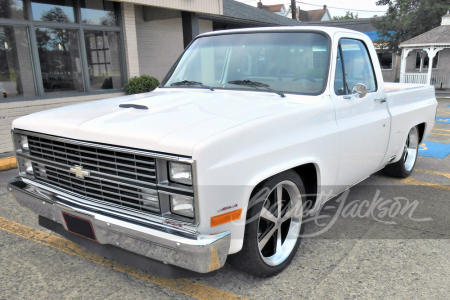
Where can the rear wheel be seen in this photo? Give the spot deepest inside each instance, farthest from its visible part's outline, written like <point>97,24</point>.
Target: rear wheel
<point>404,167</point>
<point>273,227</point>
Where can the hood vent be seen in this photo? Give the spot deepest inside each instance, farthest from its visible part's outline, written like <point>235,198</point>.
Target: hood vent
<point>136,106</point>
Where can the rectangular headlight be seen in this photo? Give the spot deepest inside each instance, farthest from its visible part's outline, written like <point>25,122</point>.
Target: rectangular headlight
<point>180,173</point>
<point>182,205</point>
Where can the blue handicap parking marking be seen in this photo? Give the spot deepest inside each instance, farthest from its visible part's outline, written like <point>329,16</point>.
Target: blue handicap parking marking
<point>443,120</point>
<point>448,105</point>
<point>433,149</point>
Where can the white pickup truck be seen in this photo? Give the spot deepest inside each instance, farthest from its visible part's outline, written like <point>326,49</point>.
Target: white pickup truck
<point>272,114</point>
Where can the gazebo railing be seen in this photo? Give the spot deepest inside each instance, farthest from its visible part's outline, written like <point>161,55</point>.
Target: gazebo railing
<point>438,79</point>
<point>421,78</point>
<point>417,78</point>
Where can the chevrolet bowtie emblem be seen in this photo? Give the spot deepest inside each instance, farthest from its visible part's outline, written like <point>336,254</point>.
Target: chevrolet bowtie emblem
<point>79,172</point>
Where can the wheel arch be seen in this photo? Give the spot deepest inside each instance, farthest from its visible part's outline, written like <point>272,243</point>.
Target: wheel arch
<point>309,172</point>
<point>421,127</point>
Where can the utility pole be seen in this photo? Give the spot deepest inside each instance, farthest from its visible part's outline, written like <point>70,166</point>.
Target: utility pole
<point>293,10</point>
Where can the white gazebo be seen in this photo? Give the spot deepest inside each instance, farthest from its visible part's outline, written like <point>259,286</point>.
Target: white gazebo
<point>431,42</point>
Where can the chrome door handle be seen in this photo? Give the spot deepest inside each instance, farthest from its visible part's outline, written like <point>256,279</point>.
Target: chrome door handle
<point>347,97</point>
<point>382,100</point>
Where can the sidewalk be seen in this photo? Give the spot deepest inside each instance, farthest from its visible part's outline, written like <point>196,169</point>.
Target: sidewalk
<point>445,93</point>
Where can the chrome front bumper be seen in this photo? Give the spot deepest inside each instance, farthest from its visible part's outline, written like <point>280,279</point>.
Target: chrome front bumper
<point>191,251</point>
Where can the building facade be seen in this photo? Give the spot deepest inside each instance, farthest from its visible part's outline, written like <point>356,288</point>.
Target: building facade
<point>279,9</point>
<point>59,52</point>
<point>316,15</point>
<point>426,58</point>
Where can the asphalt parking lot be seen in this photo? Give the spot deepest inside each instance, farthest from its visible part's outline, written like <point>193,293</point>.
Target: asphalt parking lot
<point>398,256</point>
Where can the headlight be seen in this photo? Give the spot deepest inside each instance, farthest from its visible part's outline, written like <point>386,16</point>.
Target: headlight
<point>182,205</point>
<point>24,143</point>
<point>181,173</point>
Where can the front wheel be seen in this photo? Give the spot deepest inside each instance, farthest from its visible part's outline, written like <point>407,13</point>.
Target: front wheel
<point>404,167</point>
<point>274,225</point>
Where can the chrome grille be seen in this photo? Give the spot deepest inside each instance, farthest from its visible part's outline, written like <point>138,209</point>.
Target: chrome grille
<point>132,166</point>
<point>130,187</point>
<point>110,193</point>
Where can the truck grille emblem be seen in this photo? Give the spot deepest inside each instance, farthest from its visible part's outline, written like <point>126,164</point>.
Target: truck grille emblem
<point>79,172</point>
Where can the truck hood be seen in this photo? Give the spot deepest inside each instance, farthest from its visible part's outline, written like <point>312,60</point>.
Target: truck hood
<point>176,119</point>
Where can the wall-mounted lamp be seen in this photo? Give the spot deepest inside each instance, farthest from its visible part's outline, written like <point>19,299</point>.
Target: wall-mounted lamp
<point>59,47</point>
<point>6,46</point>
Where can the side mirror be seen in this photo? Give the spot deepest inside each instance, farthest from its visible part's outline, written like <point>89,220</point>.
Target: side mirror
<point>359,90</point>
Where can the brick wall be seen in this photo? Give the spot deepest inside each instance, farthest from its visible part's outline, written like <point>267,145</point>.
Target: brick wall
<point>394,73</point>
<point>12,110</point>
<point>411,62</point>
<point>160,43</point>
<point>205,26</point>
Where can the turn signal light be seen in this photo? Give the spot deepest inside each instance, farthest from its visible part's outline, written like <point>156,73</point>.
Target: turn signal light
<point>225,218</point>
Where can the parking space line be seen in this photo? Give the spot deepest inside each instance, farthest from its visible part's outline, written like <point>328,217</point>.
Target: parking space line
<point>433,172</point>
<point>413,181</point>
<point>184,286</point>
<point>443,111</point>
<point>441,129</point>
<point>438,133</point>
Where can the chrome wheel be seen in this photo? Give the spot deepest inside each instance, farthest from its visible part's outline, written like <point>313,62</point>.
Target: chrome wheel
<point>410,150</point>
<point>279,223</point>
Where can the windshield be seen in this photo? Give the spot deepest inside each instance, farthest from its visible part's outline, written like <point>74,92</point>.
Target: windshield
<point>290,62</point>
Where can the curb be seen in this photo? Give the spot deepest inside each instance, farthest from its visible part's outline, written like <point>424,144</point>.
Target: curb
<point>8,163</point>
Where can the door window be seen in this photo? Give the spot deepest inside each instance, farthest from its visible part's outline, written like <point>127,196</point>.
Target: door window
<point>339,85</point>
<point>357,65</point>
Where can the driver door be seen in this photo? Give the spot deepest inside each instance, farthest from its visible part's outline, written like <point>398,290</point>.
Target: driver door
<point>364,123</point>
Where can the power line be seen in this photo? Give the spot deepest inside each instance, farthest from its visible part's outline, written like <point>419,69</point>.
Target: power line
<point>348,9</point>
<point>341,8</point>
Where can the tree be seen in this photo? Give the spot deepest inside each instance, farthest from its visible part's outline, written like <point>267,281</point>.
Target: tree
<point>55,15</point>
<point>406,19</point>
<point>61,37</point>
<point>348,15</point>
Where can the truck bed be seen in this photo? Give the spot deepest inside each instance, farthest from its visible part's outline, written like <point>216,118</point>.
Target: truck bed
<point>409,105</point>
<point>393,86</point>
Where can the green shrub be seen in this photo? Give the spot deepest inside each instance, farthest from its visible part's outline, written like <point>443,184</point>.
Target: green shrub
<point>141,84</point>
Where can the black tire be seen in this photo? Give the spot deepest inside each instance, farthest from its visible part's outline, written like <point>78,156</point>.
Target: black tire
<point>399,169</point>
<point>249,259</point>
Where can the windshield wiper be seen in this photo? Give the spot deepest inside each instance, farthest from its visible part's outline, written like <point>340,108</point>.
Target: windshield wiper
<point>256,85</point>
<point>191,83</point>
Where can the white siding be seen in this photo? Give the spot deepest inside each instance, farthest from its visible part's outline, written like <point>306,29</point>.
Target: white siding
<point>201,6</point>
<point>12,110</point>
<point>326,17</point>
<point>205,26</point>
<point>159,44</point>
